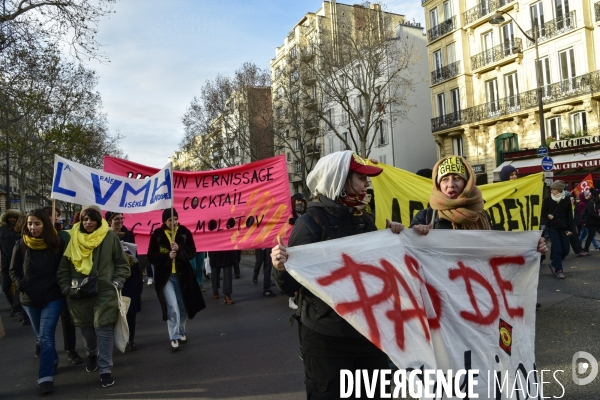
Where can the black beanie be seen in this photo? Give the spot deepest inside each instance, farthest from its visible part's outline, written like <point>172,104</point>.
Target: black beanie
<point>167,214</point>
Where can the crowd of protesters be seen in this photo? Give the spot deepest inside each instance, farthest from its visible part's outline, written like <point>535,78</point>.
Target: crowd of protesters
<point>46,270</point>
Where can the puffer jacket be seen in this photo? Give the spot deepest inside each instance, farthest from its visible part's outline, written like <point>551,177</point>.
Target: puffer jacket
<point>34,274</point>
<point>158,255</point>
<point>338,221</point>
<point>110,262</point>
<point>8,238</point>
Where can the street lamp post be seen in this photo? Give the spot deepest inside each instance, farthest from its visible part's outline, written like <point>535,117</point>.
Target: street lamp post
<point>496,20</point>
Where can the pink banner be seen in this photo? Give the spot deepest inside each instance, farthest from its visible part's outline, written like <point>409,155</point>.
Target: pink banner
<point>242,207</point>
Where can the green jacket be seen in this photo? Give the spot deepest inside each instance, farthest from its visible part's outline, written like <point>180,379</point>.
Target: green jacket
<point>111,263</point>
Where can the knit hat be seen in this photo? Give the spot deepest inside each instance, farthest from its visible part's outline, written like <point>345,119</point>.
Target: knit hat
<point>558,185</point>
<point>92,211</point>
<point>506,171</point>
<point>167,214</point>
<point>452,165</point>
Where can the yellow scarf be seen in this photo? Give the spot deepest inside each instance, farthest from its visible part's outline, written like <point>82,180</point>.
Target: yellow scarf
<point>168,233</point>
<point>81,246</point>
<point>35,243</point>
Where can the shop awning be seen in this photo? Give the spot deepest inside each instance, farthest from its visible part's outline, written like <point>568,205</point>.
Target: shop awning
<point>562,162</point>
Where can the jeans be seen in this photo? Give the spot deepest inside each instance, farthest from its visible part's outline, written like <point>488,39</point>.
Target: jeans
<point>198,266</point>
<point>176,315</point>
<point>43,321</point>
<point>150,270</point>
<point>100,341</point>
<point>560,247</point>
<point>584,233</point>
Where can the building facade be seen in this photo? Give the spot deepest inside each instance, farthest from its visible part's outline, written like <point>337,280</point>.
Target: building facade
<point>306,118</point>
<point>484,85</point>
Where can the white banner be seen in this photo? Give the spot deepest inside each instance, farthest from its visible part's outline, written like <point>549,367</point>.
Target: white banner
<point>451,300</point>
<point>76,183</point>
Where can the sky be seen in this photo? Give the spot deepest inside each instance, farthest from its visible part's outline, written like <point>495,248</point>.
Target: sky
<point>161,53</point>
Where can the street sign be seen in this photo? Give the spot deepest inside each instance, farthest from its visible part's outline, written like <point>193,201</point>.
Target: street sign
<point>547,163</point>
<point>542,151</point>
<point>549,181</point>
<point>548,174</point>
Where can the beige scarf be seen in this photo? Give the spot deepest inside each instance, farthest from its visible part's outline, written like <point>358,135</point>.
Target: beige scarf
<point>464,212</point>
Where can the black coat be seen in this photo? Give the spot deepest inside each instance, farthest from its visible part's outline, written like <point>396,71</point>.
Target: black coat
<point>333,221</point>
<point>158,255</point>
<point>592,218</point>
<point>8,238</point>
<point>34,274</point>
<point>562,212</point>
<point>133,286</point>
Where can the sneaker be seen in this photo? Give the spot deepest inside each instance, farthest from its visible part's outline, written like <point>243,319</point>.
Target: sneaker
<point>581,254</point>
<point>92,363</point>
<point>74,357</point>
<point>254,278</point>
<point>268,293</point>
<point>107,380</point>
<point>560,275</point>
<point>37,350</point>
<point>588,254</point>
<point>174,345</point>
<point>552,269</point>
<point>150,281</point>
<point>131,345</point>
<point>183,339</point>
<point>292,304</point>
<point>46,387</point>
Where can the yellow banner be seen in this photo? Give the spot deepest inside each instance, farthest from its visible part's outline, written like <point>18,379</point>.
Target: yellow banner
<point>513,205</point>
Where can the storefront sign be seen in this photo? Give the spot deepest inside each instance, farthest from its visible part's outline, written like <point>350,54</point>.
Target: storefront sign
<point>479,169</point>
<point>577,164</point>
<point>575,142</point>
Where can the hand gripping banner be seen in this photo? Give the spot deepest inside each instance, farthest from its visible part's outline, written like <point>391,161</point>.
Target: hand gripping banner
<point>242,207</point>
<point>76,183</point>
<point>451,300</point>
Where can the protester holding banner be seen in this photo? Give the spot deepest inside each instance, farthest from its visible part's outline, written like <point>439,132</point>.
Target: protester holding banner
<point>508,173</point>
<point>455,202</point>
<point>95,251</point>
<point>35,261</point>
<point>134,284</point>
<point>328,343</point>
<point>557,215</point>
<point>170,250</point>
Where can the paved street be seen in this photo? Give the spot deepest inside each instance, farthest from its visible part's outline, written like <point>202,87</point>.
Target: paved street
<point>249,351</point>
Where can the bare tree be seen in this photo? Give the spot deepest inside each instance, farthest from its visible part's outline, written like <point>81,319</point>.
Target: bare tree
<point>346,81</point>
<point>230,122</point>
<point>73,22</point>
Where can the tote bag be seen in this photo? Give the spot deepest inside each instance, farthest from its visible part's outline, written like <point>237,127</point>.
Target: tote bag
<point>121,327</point>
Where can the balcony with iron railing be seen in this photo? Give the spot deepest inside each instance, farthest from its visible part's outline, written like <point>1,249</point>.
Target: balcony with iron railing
<point>482,9</point>
<point>587,84</point>
<point>496,53</point>
<point>597,11</point>
<point>554,28</point>
<point>441,29</point>
<point>445,73</point>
